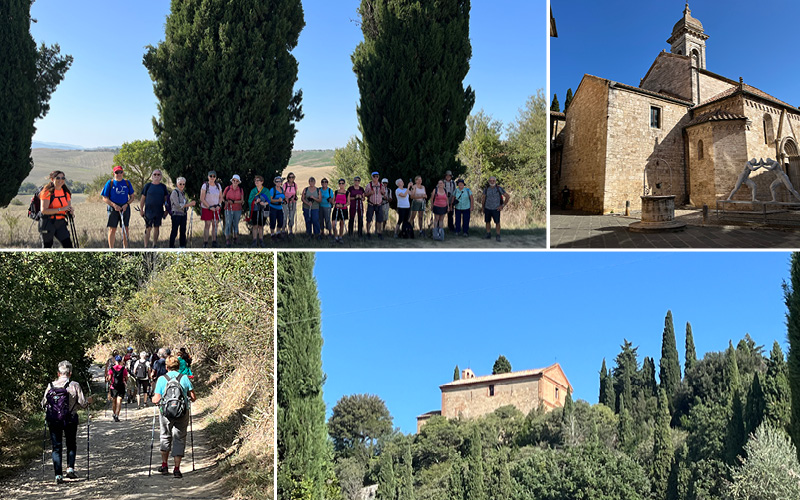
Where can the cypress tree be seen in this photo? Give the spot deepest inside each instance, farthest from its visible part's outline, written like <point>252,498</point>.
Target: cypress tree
<point>568,421</point>
<point>680,475</point>
<point>455,481</point>
<point>554,105</point>
<point>662,448</point>
<point>609,392</point>
<point>405,486</point>
<point>456,374</point>
<point>475,487</point>
<point>754,408</point>
<point>648,379</point>
<point>410,69</point>
<point>504,488</point>
<point>735,436</point>
<point>625,427</point>
<point>791,292</point>
<point>224,78</point>
<point>603,384</point>
<point>626,369</point>
<point>567,100</point>
<point>301,410</point>
<point>670,374</point>
<point>690,355</point>
<point>28,77</point>
<point>777,409</point>
<point>501,365</point>
<point>387,486</point>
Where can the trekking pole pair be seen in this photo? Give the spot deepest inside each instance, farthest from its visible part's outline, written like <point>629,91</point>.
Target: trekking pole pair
<point>73,231</point>
<point>191,218</point>
<point>124,229</point>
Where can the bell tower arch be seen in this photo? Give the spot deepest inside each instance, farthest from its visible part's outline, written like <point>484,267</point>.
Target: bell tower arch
<point>689,39</point>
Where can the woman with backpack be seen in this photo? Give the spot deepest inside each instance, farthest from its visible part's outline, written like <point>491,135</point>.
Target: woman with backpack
<point>403,205</point>
<point>341,199</point>
<point>277,200</point>
<point>118,378</point>
<point>258,210</point>
<point>173,393</point>
<point>290,212</point>
<point>419,199</point>
<point>233,198</point>
<point>61,401</point>
<point>56,206</point>
<point>210,197</point>
<point>440,203</point>
<point>177,211</point>
<point>141,371</point>
<point>311,199</point>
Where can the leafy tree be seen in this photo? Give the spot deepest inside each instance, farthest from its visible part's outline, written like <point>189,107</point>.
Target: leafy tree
<point>410,69</point>
<point>28,78</point>
<point>670,374</point>
<point>405,487</point>
<point>358,423</point>
<point>501,365</point>
<point>482,151</point>
<point>139,158</point>
<point>456,374</point>
<point>770,470</point>
<point>387,485</point>
<point>455,481</point>
<point>527,150</point>
<point>791,292</point>
<point>554,105</point>
<point>776,390</point>
<point>437,441</point>
<point>224,79</point>
<point>691,355</point>
<point>350,473</point>
<point>662,448</point>
<point>350,161</point>
<point>301,410</point>
<point>503,486</point>
<point>567,100</point>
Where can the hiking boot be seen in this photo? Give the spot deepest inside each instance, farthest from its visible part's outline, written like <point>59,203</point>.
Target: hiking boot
<point>205,244</point>
<point>488,236</point>
<point>59,479</point>
<point>177,473</point>
<point>380,237</point>
<point>163,469</point>
<point>254,243</point>
<point>227,244</point>
<point>116,418</point>
<point>466,235</point>
<point>498,237</point>
<point>71,474</point>
<point>214,244</point>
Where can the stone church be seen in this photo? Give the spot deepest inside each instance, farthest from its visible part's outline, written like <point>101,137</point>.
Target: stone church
<point>684,131</point>
<point>472,396</point>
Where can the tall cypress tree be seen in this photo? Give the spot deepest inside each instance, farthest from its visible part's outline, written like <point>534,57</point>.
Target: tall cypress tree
<point>791,292</point>
<point>456,374</point>
<point>662,448</point>
<point>648,377</point>
<point>625,434</point>
<point>28,77</point>
<point>387,486</point>
<point>554,105</point>
<point>405,486</point>
<point>755,406</point>
<point>567,100</point>
<point>568,420</point>
<point>735,436</point>
<point>690,356</point>
<point>301,410</point>
<point>670,374</point>
<point>475,487</point>
<point>602,397</point>
<point>777,411</point>
<point>224,77</point>
<point>626,369</point>
<point>455,481</point>
<point>410,69</point>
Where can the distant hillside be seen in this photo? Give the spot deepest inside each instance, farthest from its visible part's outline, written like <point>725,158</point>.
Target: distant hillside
<point>54,145</point>
<point>312,158</point>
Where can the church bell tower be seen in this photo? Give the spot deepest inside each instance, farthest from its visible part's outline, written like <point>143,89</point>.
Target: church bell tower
<point>689,39</point>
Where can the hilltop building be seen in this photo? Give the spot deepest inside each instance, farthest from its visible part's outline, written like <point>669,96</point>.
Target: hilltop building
<point>684,131</point>
<point>473,396</point>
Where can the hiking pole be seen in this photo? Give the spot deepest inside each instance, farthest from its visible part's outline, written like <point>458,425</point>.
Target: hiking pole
<point>73,231</point>
<point>44,446</point>
<point>191,434</point>
<point>152,440</point>
<point>88,421</point>
<point>124,230</point>
<point>191,218</point>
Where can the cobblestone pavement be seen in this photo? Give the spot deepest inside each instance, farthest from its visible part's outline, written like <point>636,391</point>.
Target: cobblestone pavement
<point>574,230</point>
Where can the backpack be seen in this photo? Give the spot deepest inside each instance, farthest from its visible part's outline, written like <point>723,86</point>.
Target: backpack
<point>407,231</point>
<point>168,203</point>
<point>58,410</point>
<point>140,370</point>
<point>116,377</point>
<point>173,403</point>
<point>438,234</point>
<point>35,207</point>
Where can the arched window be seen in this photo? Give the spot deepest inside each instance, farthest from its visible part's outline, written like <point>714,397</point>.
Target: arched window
<point>696,58</point>
<point>769,135</point>
<point>700,153</point>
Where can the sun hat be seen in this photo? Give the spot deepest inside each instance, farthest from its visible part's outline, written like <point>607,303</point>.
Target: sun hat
<point>236,178</point>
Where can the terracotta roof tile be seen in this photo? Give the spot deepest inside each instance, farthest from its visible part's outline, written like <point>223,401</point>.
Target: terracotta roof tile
<point>714,116</point>
<point>501,376</point>
<point>559,115</point>
<point>748,89</point>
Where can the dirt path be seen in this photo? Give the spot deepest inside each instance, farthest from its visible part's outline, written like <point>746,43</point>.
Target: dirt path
<point>119,459</point>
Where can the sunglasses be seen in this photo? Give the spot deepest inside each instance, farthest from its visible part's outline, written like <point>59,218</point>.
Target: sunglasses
<point>212,176</point>
<point>341,183</point>
<point>290,177</point>
<point>60,178</point>
<point>156,175</point>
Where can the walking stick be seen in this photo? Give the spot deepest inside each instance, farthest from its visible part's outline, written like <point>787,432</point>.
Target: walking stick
<point>191,218</point>
<point>44,446</point>
<point>152,440</point>
<point>191,433</point>
<point>88,423</point>
<point>72,230</point>
<point>124,229</point>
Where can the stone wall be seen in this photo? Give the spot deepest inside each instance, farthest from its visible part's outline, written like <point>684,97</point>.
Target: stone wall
<point>710,85</point>
<point>633,145</point>
<point>473,400</point>
<point>670,74</point>
<point>584,142</point>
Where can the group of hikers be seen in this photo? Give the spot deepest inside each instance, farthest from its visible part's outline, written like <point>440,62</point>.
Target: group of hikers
<point>324,208</point>
<point>165,378</point>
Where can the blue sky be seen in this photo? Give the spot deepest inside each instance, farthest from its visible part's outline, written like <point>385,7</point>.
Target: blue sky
<point>396,324</point>
<point>107,98</point>
<point>620,39</point>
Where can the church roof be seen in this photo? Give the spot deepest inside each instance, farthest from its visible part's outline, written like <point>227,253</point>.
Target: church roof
<point>505,376</point>
<point>687,23</point>
<point>556,115</point>
<point>652,93</point>
<point>744,88</point>
<point>715,116</point>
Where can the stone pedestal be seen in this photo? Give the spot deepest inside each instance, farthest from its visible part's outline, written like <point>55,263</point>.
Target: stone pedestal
<point>658,215</point>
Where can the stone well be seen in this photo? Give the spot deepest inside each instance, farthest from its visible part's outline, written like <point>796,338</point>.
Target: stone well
<point>658,215</point>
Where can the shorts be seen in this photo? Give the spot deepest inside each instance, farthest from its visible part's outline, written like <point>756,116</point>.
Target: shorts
<point>340,214</point>
<point>143,385</point>
<point>206,214</point>
<point>377,211</point>
<point>117,391</point>
<point>491,215</point>
<point>417,205</point>
<point>259,217</point>
<point>114,217</point>
<point>439,210</point>
<point>153,221</point>
<point>172,435</point>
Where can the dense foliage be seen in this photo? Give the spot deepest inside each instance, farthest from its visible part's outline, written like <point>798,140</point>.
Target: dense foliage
<point>139,158</point>
<point>792,297</point>
<point>358,424</point>
<point>224,78</point>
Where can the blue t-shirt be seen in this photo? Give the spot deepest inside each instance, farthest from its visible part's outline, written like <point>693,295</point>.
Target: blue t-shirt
<point>276,196</point>
<point>118,191</point>
<point>161,384</point>
<point>154,198</point>
<point>325,194</point>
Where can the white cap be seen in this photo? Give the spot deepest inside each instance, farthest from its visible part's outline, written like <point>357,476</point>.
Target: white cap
<point>385,180</point>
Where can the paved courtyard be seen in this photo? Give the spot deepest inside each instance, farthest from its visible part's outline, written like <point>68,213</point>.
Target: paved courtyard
<point>573,230</point>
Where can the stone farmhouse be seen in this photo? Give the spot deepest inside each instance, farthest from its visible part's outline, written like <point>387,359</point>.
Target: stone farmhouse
<point>684,131</point>
<point>473,396</point>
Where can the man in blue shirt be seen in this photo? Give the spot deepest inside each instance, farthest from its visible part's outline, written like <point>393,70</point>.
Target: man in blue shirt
<point>118,193</point>
<point>173,433</point>
<point>151,206</point>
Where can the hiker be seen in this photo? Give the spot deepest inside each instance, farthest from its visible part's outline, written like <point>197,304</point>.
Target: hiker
<point>355,194</point>
<point>130,384</point>
<point>340,201</point>
<point>151,206</point>
<point>118,194</point>
<point>118,377</point>
<point>170,388</point>
<point>450,188</point>
<point>494,200</point>
<point>210,194</point>
<point>462,201</point>
<point>375,193</point>
<point>418,202</point>
<point>325,205</point>
<point>185,356</point>
<point>184,365</point>
<point>159,367</point>
<point>387,200</point>
<point>277,200</point>
<point>258,210</point>
<point>233,198</point>
<point>177,208</point>
<point>56,204</point>
<point>403,205</point>
<point>311,199</point>
<point>290,212</point>
<point>439,204</point>
<point>141,371</point>
<point>61,401</point>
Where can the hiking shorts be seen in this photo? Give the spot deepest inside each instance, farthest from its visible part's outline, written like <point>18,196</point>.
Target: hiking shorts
<point>173,434</point>
<point>210,215</point>
<point>439,210</point>
<point>375,210</point>
<point>117,391</point>
<point>114,217</point>
<point>143,385</point>
<point>340,214</point>
<point>153,220</point>
<point>491,215</point>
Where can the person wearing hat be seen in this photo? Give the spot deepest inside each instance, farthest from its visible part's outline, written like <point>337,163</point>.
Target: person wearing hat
<point>403,205</point>
<point>290,209</point>
<point>277,200</point>
<point>462,202</point>
<point>177,207</point>
<point>325,206</point>
<point>232,200</point>
<point>210,198</point>
<point>151,206</point>
<point>375,193</point>
<point>340,202</point>
<point>259,209</point>
<point>355,194</point>
<point>387,200</point>
<point>450,189</point>
<point>118,194</point>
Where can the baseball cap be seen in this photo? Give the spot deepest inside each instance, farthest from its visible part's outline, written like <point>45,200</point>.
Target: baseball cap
<point>448,173</point>
<point>118,358</point>
<point>385,180</point>
<point>236,178</point>
<point>460,181</point>
<point>356,178</point>
<point>375,173</point>
<point>130,348</point>
<point>278,178</point>
<point>117,168</point>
